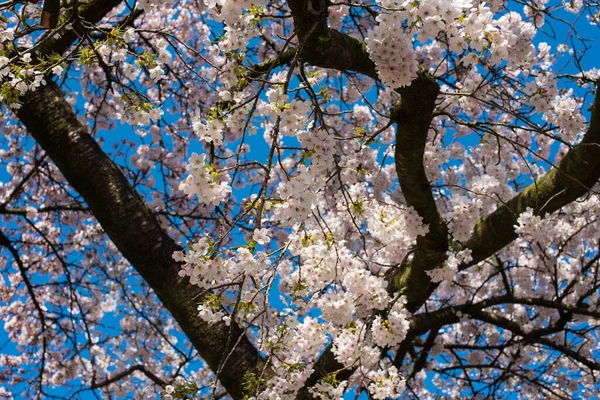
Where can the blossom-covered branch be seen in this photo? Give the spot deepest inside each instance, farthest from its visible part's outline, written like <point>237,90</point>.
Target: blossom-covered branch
<point>413,117</point>
<point>127,221</point>
<point>134,230</point>
<point>572,178</point>
<point>391,197</point>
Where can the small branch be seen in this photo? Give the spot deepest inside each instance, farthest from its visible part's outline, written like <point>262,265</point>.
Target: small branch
<point>422,360</point>
<point>118,376</point>
<point>532,338</point>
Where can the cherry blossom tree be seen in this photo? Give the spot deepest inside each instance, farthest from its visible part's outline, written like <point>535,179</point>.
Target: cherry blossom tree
<point>299,199</point>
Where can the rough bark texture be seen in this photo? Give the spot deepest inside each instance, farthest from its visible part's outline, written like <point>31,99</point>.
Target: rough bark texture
<point>324,47</point>
<point>134,229</point>
<point>575,175</point>
<point>131,226</point>
<point>572,178</point>
<point>136,232</point>
<point>413,116</point>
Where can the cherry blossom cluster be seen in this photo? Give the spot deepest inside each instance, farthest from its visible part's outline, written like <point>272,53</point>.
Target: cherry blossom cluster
<point>292,112</point>
<point>386,384</point>
<point>470,32</point>
<point>236,39</point>
<point>210,186</point>
<point>390,46</point>
<point>293,219</point>
<point>565,113</point>
<point>23,78</point>
<point>232,11</point>
<point>210,132</point>
<point>392,51</point>
<point>149,5</point>
<point>391,331</point>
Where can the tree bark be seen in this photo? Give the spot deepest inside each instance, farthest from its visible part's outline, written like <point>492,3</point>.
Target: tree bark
<point>131,226</point>
<point>413,117</point>
<point>135,231</point>
<point>579,170</point>
<point>573,177</point>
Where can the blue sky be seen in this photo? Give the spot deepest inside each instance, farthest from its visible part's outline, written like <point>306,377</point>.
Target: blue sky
<point>592,60</point>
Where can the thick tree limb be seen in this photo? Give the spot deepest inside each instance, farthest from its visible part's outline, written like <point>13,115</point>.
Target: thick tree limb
<point>328,48</point>
<point>413,116</point>
<point>575,175</point>
<point>134,229</point>
<point>324,47</point>
<point>129,223</point>
<point>572,178</point>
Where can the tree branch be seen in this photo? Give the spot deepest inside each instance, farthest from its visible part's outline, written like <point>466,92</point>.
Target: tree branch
<point>324,47</point>
<point>120,375</point>
<point>532,338</point>
<point>427,346</point>
<point>125,218</point>
<point>328,48</point>
<point>412,116</point>
<point>134,229</point>
<point>572,178</point>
